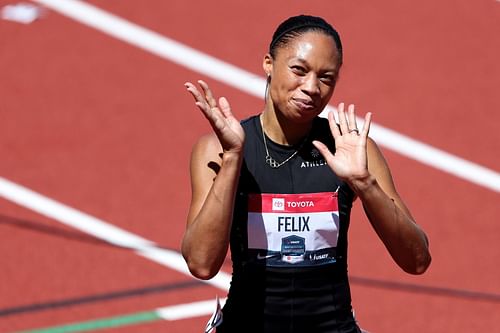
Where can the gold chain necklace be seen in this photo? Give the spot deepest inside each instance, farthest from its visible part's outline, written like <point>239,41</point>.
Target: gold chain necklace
<point>269,159</point>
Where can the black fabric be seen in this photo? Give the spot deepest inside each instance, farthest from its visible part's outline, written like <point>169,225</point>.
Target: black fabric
<point>287,299</point>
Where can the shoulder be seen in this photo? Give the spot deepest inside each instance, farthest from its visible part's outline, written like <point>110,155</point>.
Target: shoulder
<point>250,122</point>
<point>321,125</point>
<point>206,141</point>
<point>378,167</point>
<point>320,122</point>
<point>375,157</point>
<point>321,132</point>
<point>206,148</point>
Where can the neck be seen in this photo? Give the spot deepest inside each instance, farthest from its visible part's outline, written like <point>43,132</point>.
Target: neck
<point>281,130</point>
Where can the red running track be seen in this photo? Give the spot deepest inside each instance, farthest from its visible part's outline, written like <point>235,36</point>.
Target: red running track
<point>107,128</point>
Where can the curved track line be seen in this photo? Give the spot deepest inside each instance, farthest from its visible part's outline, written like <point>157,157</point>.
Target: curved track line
<point>254,85</point>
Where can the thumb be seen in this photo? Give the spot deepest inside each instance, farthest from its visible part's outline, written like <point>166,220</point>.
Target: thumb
<point>323,149</point>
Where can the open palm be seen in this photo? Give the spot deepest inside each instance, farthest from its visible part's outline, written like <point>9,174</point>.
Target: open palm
<point>227,128</point>
<point>350,158</point>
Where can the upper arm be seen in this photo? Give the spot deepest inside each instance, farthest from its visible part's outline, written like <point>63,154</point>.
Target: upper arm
<point>378,167</point>
<point>204,166</point>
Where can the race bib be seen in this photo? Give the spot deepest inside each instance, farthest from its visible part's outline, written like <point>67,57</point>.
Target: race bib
<point>293,229</point>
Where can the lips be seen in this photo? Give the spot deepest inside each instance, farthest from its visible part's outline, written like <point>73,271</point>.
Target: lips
<point>304,104</point>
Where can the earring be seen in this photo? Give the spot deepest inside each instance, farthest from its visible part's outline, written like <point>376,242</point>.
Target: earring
<point>268,80</point>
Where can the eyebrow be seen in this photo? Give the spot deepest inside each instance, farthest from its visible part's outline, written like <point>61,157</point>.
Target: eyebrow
<point>333,70</point>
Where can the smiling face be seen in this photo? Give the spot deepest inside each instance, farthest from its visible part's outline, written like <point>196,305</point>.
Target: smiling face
<point>303,75</point>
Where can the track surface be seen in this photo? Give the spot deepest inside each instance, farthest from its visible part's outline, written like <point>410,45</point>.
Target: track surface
<point>107,128</point>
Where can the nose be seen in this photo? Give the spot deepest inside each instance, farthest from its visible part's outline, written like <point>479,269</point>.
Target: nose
<point>310,84</point>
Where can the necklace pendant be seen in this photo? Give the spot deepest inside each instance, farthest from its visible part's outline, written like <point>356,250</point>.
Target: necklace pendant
<point>272,162</point>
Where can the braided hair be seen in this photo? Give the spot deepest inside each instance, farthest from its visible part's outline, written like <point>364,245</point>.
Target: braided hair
<point>298,25</point>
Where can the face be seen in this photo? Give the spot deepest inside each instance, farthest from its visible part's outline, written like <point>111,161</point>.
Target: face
<point>303,75</point>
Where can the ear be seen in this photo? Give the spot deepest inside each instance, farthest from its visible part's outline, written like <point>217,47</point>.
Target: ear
<point>267,64</point>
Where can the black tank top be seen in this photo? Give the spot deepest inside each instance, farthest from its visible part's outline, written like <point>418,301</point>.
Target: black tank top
<point>289,240</point>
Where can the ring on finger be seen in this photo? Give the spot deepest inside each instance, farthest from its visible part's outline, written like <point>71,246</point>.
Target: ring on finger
<point>354,130</point>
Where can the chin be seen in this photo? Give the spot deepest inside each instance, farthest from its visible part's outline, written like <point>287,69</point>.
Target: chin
<point>305,116</point>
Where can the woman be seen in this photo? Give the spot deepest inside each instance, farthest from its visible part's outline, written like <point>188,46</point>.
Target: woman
<point>278,189</point>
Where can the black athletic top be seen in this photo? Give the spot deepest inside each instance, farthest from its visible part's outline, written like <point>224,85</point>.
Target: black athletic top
<point>289,240</point>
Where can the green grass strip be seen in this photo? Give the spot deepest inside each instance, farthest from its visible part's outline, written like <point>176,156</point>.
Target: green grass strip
<point>91,325</point>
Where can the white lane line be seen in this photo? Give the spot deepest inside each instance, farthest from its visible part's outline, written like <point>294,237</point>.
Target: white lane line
<point>157,44</point>
<point>254,85</point>
<point>100,229</point>
<point>434,157</point>
<point>188,310</point>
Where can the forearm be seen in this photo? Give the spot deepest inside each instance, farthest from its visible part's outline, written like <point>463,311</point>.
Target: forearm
<point>206,239</point>
<point>403,238</point>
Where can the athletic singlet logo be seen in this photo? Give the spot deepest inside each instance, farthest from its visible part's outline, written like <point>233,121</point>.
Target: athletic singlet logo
<point>262,257</point>
<point>313,164</point>
<point>317,161</point>
<point>278,204</point>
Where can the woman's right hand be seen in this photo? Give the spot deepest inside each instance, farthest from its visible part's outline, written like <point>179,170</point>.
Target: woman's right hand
<point>227,128</point>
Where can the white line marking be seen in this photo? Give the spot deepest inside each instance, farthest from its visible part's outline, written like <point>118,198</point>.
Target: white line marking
<point>157,44</point>
<point>434,157</point>
<point>184,311</point>
<point>254,85</point>
<point>233,76</point>
<point>100,229</point>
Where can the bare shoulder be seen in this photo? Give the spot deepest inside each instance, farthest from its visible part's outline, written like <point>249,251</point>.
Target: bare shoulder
<point>376,160</point>
<point>204,166</point>
<point>206,158</point>
<point>207,148</point>
<point>378,166</point>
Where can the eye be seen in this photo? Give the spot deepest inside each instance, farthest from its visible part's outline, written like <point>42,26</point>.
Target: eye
<point>299,70</point>
<point>327,79</point>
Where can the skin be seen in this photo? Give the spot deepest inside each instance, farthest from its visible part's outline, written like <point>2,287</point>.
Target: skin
<point>303,78</point>
<point>302,75</point>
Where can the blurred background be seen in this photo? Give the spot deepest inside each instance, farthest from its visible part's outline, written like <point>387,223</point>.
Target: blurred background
<point>96,131</point>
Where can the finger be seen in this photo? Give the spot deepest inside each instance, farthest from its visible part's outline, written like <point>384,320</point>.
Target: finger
<point>351,117</point>
<point>210,113</point>
<point>366,125</point>
<point>200,100</point>
<point>213,115</point>
<point>323,149</point>
<point>205,109</point>
<point>191,88</point>
<point>225,107</point>
<point>342,119</point>
<point>208,94</point>
<point>334,127</point>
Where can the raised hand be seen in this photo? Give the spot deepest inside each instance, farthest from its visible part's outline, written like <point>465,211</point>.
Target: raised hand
<point>350,159</point>
<point>225,125</point>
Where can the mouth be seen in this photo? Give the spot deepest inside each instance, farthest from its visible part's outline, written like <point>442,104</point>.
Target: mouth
<point>304,104</point>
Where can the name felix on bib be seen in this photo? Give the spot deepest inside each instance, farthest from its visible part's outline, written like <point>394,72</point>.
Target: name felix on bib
<point>289,224</point>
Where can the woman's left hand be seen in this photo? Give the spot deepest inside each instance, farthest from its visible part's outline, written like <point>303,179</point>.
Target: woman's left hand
<point>349,162</point>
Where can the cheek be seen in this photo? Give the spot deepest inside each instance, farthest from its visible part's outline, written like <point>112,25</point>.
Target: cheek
<point>328,93</point>
<point>288,82</point>
<point>283,84</point>
<point>326,99</point>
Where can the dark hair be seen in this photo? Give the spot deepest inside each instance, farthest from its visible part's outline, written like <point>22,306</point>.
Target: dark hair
<point>298,25</point>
